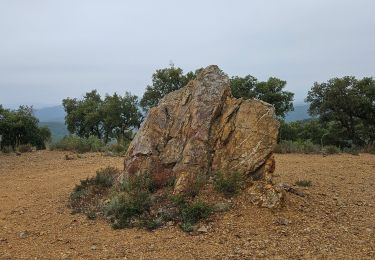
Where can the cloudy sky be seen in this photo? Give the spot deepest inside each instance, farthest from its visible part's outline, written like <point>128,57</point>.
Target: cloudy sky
<point>52,49</point>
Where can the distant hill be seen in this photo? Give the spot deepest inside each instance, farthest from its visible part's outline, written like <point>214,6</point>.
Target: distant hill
<point>300,113</point>
<point>51,114</point>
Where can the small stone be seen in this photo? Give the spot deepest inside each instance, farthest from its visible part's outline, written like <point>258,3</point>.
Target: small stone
<point>64,257</point>
<point>282,222</point>
<point>368,230</point>
<point>202,229</point>
<point>93,248</point>
<point>23,234</point>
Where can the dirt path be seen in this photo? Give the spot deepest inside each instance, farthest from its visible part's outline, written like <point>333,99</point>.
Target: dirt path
<point>336,219</point>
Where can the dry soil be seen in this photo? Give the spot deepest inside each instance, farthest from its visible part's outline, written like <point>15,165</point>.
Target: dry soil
<point>336,218</point>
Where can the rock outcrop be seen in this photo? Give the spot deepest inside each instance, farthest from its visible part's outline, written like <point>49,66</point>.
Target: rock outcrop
<point>202,129</point>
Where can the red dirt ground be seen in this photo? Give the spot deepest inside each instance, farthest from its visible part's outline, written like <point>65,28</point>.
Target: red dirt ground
<point>336,218</point>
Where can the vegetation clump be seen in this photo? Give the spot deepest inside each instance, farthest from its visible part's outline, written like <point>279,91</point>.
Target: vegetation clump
<point>25,148</point>
<point>138,201</point>
<point>86,195</point>
<point>230,184</point>
<point>78,144</point>
<point>304,183</point>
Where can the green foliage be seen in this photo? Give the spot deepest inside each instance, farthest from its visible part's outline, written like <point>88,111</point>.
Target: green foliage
<point>113,117</point>
<point>192,213</point>
<point>85,193</point>
<point>304,183</point>
<point>164,81</point>
<point>170,79</point>
<point>369,149</point>
<point>78,144</point>
<point>306,147</point>
<point>271,91</point>
<point>20,127</point>
<point>196,185</point>
<point>25,148</point>
<point>229,184</point>
<point>186,227</point>
<point>352,151</point>
<point>117,148</point>
<point>330,149</point>
<point>123,207</point>
<point>348,102</point>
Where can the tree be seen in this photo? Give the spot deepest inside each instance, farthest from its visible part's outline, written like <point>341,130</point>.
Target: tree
<point>271,91</point>
<point>20,127</point>
<point>113,117</point>
<point>349,102</point>
<point>164,81</point>
<point>120,116</point>
<point>83,117</point>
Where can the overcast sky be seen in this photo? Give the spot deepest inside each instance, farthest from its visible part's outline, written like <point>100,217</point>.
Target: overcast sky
<point>54,49</point>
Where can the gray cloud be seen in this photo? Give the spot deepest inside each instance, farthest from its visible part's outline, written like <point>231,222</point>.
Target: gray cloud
<point>53,49</point>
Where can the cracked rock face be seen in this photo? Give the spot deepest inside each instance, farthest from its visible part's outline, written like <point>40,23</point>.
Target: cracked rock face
<point>202,129</point>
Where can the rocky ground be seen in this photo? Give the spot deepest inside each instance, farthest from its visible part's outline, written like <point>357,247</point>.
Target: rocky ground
<point>335,219</point>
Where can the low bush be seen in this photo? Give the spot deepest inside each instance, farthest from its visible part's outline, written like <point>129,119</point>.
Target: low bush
<point>369,149</point>
<point>137,202</point>
<point>192,213</point>
<point>230,184</point>
<point>297,147</point>
<point>7,149</point>
<point>352,150</point>
<point>78,144</point>
<point>303,183</point>
<point>25,148</point>
<point>123,207</point>
<point>85,194</point>
<point>116,148</point>
<point>330,149</point>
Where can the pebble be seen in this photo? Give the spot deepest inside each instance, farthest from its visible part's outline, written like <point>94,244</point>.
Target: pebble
<point>23,234</point>
<point>93,248</point>
<point>202,229</point>
<point>282,221</point>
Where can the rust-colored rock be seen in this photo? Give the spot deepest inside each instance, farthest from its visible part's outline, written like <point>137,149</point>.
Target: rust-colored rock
<point>202,129</point>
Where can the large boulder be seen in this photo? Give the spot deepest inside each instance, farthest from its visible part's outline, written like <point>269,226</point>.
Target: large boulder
<point>202,129</point>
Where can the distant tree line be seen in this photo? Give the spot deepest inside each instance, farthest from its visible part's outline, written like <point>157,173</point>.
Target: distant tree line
<point>113,117</point>
<point>343,110</point>
<point>20,127</point>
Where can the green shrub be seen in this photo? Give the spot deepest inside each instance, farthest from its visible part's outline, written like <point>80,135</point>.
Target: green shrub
<point>116,148</point>
<point>192,213</point>
<point>7,149</point>
<point>25,148</point>
<point>369,149</point>
<point>331,149</point>
<point>90,187</point>
<point>78,144</point>
<point>229,185</point>
<point>352,151</point>
<point>297,147</point>
<point>186,227</point>
<point>303,183</point>
<point>194,187</point>
<point>138,183</point>
<point>124,207</point>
